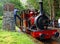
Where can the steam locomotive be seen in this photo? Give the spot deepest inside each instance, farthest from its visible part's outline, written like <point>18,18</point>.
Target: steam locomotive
<point>38,25</point>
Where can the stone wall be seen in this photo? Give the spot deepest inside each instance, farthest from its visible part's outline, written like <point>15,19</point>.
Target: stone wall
<point>8,17</point>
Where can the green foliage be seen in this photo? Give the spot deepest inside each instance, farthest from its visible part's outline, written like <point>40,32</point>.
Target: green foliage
<point>0,22</point>
<point>34,3</point>
<point>46,5</point>
<point>1,9</point>
<point>17,4</point>
<point>58,14</point>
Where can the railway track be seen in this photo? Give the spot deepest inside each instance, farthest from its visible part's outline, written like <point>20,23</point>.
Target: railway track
<point>51,41</point>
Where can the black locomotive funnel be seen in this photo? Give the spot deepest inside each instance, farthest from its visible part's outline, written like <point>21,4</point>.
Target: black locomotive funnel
<point>41,7</point>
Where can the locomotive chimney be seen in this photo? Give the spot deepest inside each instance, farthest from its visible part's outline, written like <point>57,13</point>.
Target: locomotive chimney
<point>41,6</point>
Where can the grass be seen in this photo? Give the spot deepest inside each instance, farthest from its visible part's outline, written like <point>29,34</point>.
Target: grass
<point>13,37</point>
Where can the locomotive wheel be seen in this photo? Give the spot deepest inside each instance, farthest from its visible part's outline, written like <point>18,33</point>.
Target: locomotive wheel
<point>56,34</point>
<point>42,36</point>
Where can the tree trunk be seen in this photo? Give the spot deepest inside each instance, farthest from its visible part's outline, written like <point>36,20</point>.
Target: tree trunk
<point>49,2</point>
<point>54,10</point>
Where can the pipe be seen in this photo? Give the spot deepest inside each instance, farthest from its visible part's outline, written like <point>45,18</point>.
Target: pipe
<point>41,7</point>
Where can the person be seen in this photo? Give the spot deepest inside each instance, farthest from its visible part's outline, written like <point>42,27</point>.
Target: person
<point>15,14</point>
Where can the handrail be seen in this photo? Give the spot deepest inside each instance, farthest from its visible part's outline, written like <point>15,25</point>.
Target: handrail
<point>17,16</point>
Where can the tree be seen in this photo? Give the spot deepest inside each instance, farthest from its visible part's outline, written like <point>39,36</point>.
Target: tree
<point>55,8</point>
<point>17,4</point>
<point>34,3</point>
